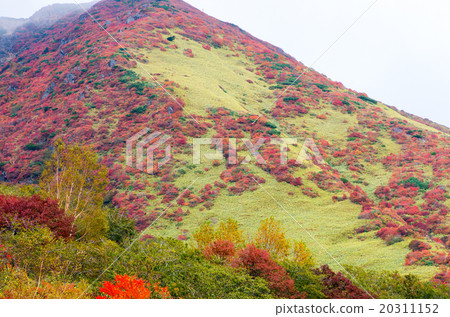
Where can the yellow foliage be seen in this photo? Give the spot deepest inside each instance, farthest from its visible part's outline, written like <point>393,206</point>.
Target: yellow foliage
<point>204,236</point>
<point>15,284</point>
<point>271,237</point>
<point>227,230</point>
<point>302,254</point>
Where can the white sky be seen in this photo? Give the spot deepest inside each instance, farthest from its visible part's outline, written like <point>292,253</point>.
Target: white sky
<point>398,52</point>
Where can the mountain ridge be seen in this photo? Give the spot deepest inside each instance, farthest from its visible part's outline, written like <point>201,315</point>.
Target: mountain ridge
<point>44,17</point>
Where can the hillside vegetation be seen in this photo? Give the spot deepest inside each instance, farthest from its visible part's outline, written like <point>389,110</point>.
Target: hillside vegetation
<point>380,202</point>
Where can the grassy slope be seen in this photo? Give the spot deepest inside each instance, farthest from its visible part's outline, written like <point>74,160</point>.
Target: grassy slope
<point>331,224</point>
<point>201,78</point>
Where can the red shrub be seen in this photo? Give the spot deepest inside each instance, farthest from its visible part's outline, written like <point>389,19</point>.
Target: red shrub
<point>224,249</point>
<point>28,212</point>
<point>383,192</point>
<point>258,263</point>
<point>416,245</point>
<point>130,287</point>
<point>443,277</point>
<point>337,286</point>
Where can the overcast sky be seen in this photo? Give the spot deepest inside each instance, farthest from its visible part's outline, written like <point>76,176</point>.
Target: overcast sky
<point>398,52</point>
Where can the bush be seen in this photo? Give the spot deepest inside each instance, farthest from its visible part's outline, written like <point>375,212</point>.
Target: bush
<point>129,76</point>
<point>223,249</point>
<point>306,281</point>
<point>16,284</point>
<point>416,245</point>
<point>120,227</point>
<point>130,287</point>
<point>362,97</point>
<point>270,125</point>
<point>139,110</point>
<point>27,212</point>
<point>139,86</point>
<point>337,286</point>
<point>33,147</point>
<point>321,86</point>
<point>187,273</point>
<point>39,253</point>
<point>257,263</point>
<point>414,182</point>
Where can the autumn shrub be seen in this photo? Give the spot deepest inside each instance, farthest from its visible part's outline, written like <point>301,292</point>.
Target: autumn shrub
<point>18,213</point>
<point>442,278</point>
<point>258,263</point>
<point>223,249</point>
<point>337,286</point>
<point>130,287</point>
<point>427,258</point>
<point>416,245</point>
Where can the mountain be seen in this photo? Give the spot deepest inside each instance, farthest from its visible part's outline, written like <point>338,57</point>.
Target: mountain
<point>40,20</point>
<point>379,200</point>
<point>44,17</point>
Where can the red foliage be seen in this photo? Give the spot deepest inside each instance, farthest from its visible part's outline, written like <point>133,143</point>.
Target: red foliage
<point>427,257</point>
<point>28,212</point>
<point>443,277</point>
<point>337,286</point>
<point>224,249</point>
<point>130,287</point>
<point>416,245</point>
<point>358,196</point>
<point>258,263</point>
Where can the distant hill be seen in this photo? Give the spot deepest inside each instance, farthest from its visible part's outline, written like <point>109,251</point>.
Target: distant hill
<point>44,17</point>
<point>11,29</point>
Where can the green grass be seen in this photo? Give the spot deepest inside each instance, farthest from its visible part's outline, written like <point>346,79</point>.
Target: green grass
<point>210,79</point>
<point>331,225</point>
